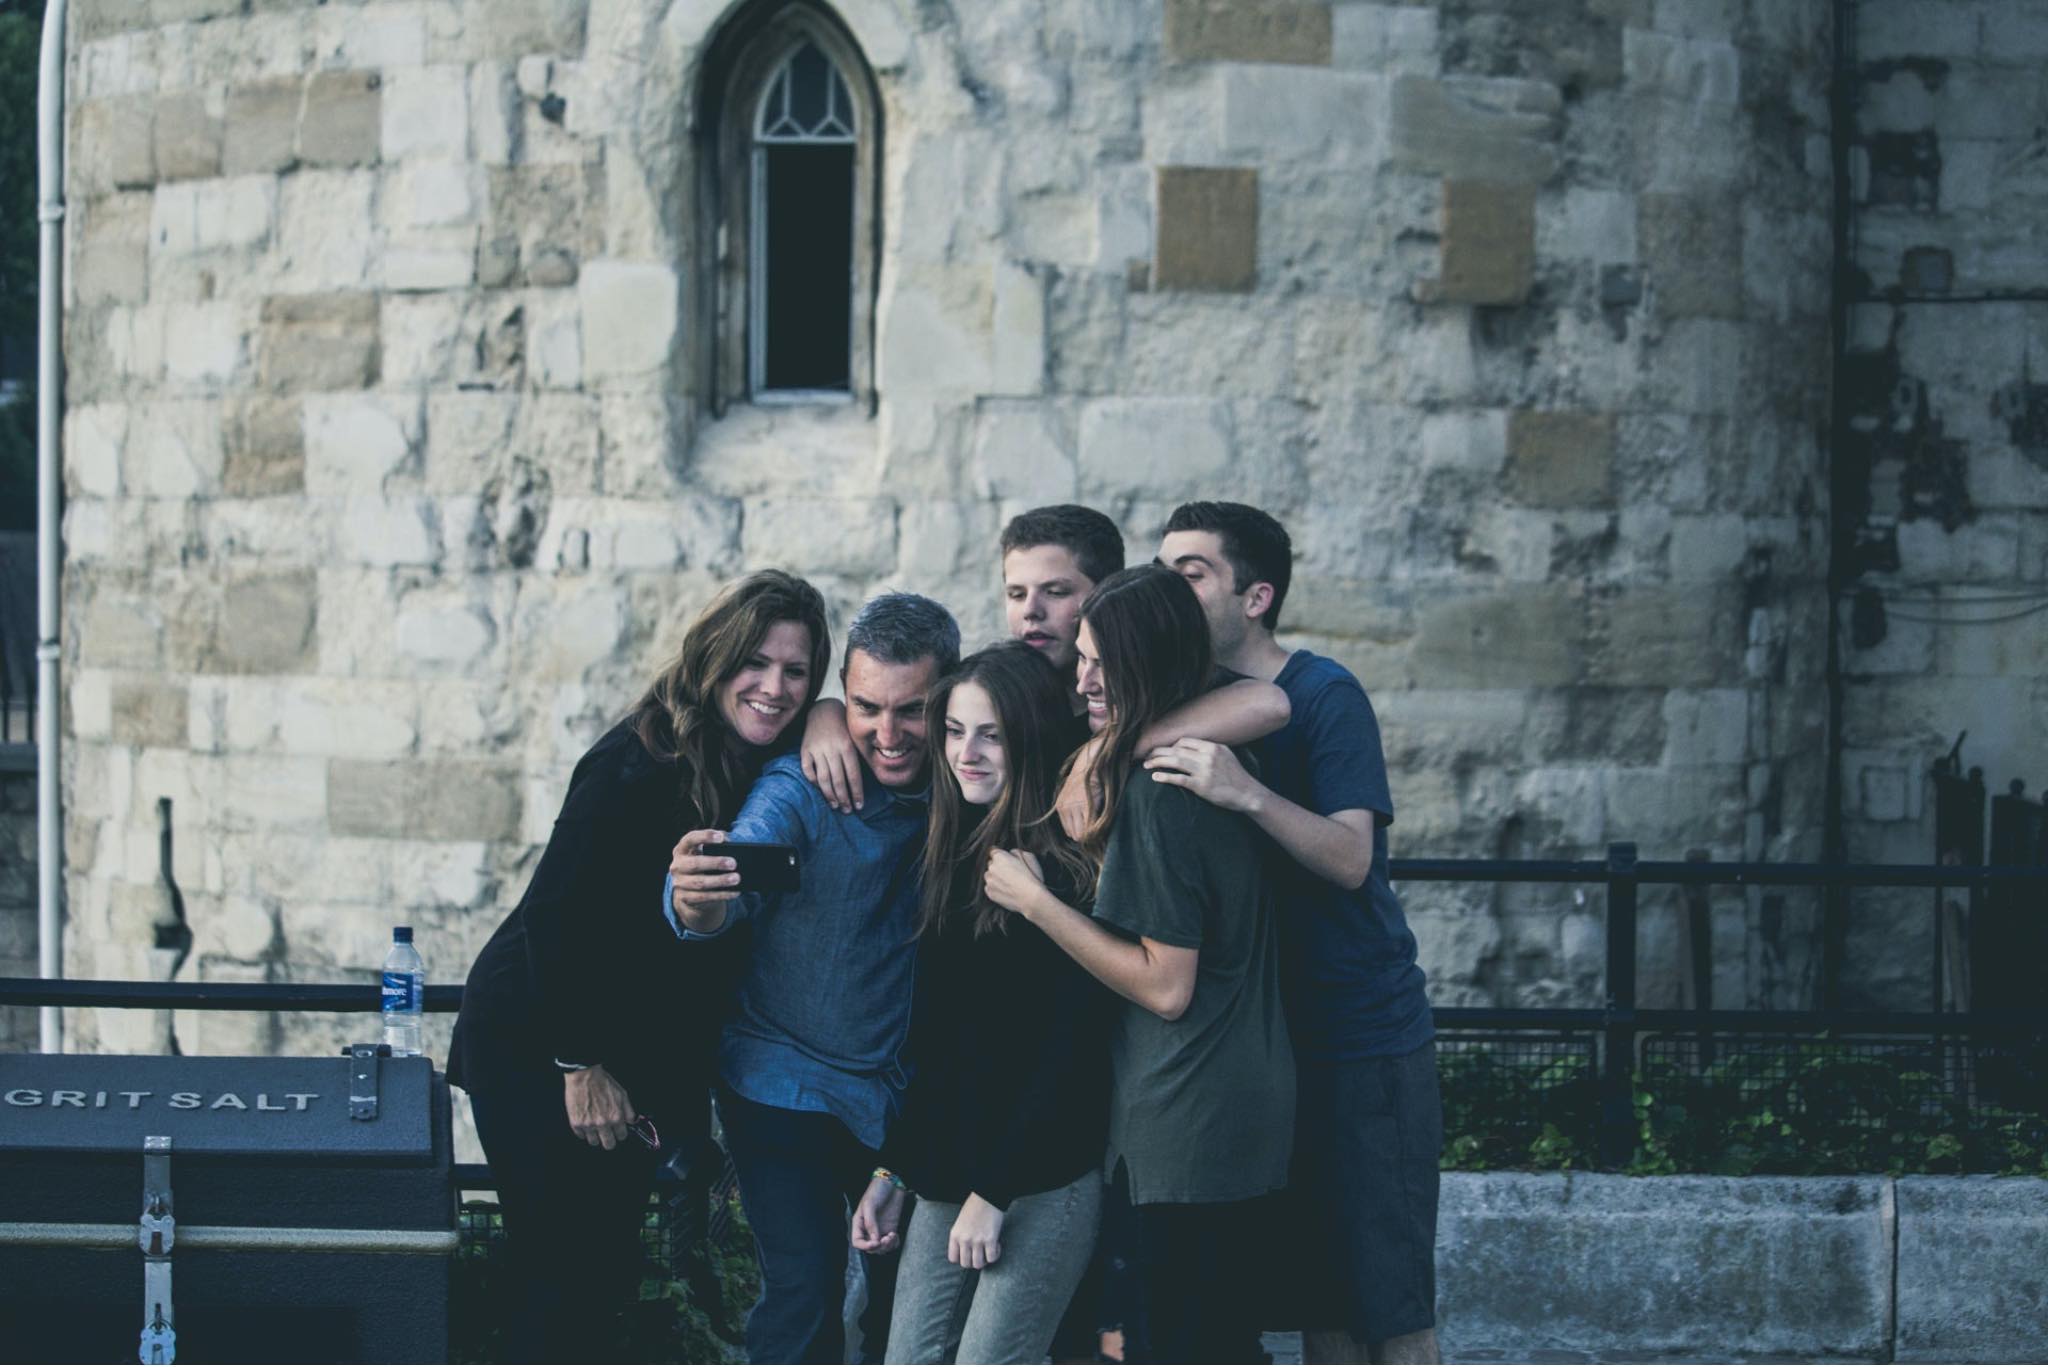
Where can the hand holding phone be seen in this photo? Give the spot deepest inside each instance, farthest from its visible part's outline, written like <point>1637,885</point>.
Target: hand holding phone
<point>764,867</point>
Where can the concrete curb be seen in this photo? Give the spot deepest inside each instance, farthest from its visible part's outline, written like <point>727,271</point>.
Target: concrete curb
<point>1590,1267</point>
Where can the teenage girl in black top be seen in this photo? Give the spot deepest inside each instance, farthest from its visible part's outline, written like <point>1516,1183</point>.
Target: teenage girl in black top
<point>1002,1131</point>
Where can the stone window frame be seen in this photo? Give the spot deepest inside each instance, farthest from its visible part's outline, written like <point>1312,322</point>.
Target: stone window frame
<point>746,55</point>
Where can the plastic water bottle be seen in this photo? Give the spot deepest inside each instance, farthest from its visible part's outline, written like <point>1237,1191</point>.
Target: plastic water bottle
<point>405,994</point>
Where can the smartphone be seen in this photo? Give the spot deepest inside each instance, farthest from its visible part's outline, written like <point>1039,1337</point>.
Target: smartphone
<point>761,867</point>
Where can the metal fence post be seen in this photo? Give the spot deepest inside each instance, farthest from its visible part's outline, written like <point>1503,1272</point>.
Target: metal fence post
<point>1617,1073</point>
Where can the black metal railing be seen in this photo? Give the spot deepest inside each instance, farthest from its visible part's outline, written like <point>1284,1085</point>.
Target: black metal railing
<point>1610,1037</point>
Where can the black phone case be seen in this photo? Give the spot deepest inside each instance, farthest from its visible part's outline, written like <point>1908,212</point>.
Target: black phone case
<point>762,867</point>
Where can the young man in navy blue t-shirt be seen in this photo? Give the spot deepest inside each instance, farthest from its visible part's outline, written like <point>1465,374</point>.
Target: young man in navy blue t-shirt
<point>1369,1123</point>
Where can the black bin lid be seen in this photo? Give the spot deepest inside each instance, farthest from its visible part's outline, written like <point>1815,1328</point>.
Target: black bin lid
<point>108,1103</point>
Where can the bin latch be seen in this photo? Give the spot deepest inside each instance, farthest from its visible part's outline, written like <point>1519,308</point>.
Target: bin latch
<point>156,1232</point>
<point>362,1079</point>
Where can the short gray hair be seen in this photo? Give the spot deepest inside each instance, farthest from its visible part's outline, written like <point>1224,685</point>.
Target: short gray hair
<point>903,628</point>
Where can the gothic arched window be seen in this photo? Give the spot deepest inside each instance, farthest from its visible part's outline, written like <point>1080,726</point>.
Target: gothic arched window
<point>792,109</point>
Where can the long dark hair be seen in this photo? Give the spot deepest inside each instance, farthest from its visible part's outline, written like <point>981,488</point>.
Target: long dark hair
<point>1032,717</point>
<point>677,719</point>
<point>1153,644</point>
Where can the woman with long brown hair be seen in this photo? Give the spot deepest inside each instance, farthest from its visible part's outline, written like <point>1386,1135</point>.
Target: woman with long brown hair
<point>585,1035</point>
<point>1003,1124</point>
<point>1202,1094</point>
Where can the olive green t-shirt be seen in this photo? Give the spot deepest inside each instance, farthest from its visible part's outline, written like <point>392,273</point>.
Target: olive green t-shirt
<point>1202,1108</point>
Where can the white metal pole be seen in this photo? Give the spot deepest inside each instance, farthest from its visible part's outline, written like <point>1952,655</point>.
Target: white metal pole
<point>49,483</point>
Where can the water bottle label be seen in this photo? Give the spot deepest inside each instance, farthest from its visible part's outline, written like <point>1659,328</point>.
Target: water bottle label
<point>403,992</point>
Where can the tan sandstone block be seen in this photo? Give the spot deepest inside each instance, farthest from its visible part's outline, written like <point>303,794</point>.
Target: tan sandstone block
<point>1488,250</point>
<point>1208,228</point>
<point>1248,31</point>
<point>1561,460</point>
<point>318,343</point>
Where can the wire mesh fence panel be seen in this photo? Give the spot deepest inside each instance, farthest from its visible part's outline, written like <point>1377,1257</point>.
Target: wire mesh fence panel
<point>1519,1099</point>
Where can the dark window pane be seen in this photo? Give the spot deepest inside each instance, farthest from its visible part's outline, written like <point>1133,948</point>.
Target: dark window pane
<point>810,77</point>
<point>809,266</point>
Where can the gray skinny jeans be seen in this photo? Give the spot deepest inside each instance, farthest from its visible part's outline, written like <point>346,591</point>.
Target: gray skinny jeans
<point>1004,1313</point>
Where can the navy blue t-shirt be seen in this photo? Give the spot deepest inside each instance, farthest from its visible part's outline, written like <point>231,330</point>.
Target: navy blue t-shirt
<point>1354,989</point>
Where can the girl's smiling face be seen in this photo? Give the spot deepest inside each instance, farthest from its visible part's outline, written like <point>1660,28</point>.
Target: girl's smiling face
<point>974,744</point>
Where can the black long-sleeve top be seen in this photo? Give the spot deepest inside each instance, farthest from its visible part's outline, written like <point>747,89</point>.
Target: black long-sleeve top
<point>1011,1042</point>
<point>585,969</point>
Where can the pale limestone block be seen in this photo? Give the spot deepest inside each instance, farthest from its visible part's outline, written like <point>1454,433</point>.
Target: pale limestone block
<point>92,703</point>
<point>1695,70</point>
<point>455,873</point>
<point>1021,454</point>
<point>1589,225</point>
<point>934,333</point>
<point>325,226</point>
<point>493,114</point>
<point>941,541</point>
<point>431,259</point>
<point>854,537</point>
<point>1514,543</point>
<point>176,451</point>
<point>443,632</point>
<point>466,433</point>
<point>135,342</point>
<point>89,531</point>
<point>1384,38</point>
<point>1709,546</point>
<point>272,792</point>
<point>426,113</point>
<point>1284,113</point>
<point>626,536</point>
<point>98,434</point>
<point>460,716</point>
<point>206,345</point>
<point>120,64</point>
<point>427,193</point>
<point>1474,128</point>
<point>1705,726</point>
<point>271,530</point>
<point>568,634</point>
<point>1123,217</point>
<point>375,530</point>
<point>554,332</point>
<point>629,318</point>
<point>371,37</point>
<point>354,442</point>
<point>361,718</point>
<point>1019,330</point>
<point>560,434</point>
<point>212,215</point>
<point>1984,552</point>
<point>1183,119</point>
<point>641,437</point>
<point>633,208</point>
<point>535,75</point>
<point>1471,441</point>
<point>1157,448</point>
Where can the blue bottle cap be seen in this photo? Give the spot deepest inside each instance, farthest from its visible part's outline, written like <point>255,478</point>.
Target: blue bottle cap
<point>401,935</point>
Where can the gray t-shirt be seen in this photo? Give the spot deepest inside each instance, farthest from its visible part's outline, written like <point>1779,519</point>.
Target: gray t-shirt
<point>1202,1108</point>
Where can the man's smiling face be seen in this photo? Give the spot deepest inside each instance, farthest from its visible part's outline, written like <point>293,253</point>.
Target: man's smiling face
<point>885,715</point>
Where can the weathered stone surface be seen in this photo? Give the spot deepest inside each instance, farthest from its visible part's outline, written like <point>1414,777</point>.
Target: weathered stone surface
<point>186,138</point>
<point>343,120</point>
<point>1208,227</point>
<point>423,800</point>
<point>265,448</point>
<point>1488,252</point>
<point>851,537</point>
<point>1560,460</point>
<point>111,259</point>
<point>318,342</point>
<point>1467,129</point>
<point>1692,245</point>
<point>629,318</point>
<point>261,131</point>
<point>1248,31</point>
<point>1971,1259</point>
<point>1689,637</point>
<point>148,712</point>
<point>265,625</point>
<point>1655,1267</point>
<point>1525,638</point>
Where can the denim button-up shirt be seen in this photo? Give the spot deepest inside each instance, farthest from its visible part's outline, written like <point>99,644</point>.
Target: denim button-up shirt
<point>825,1005</point>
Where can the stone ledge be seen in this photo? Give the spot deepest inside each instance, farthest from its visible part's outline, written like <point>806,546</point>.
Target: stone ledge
<point>1592,1267</point>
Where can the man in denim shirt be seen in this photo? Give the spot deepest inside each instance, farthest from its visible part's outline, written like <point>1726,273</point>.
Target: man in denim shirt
<point>811,1064</point>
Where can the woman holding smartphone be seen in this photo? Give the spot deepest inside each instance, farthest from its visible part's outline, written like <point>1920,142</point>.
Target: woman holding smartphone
<point>1202,1094</point>
<point>584,1033</point>
<point>1002,1129</point>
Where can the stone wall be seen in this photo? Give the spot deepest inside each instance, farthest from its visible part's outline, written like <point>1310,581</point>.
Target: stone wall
<point>388,482</point>
<point>18,1031</point>
<point>1942,490</point>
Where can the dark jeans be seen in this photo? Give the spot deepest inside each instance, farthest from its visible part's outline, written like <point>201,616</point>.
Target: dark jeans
<point>1198,1279</point>
<point>800,1172</point>
<point>572,1223</point>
